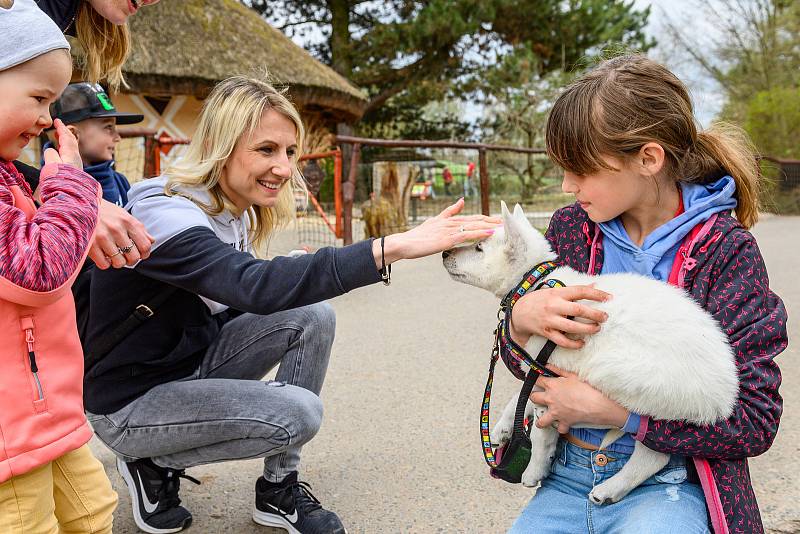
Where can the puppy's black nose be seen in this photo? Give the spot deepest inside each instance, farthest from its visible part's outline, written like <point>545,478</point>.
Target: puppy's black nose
<point>446,254</point>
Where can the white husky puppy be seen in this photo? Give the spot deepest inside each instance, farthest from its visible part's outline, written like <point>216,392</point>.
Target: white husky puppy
<point>658,354</point>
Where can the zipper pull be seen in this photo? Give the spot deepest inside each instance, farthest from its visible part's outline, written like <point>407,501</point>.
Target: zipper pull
<point>711,241</point>
<point>585,229</point>
<point>29,338</point>
<point>31,354</point>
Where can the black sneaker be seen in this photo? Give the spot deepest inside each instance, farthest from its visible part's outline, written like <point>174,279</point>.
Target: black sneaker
<point>290,505</point>
<point>154,496</point>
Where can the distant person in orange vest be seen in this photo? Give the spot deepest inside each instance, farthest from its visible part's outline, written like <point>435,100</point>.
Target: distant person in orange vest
<point>469,185</point>
<point>447,176</point>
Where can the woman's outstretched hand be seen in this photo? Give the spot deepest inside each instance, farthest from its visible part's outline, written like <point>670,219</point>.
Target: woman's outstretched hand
<point>437,234</point>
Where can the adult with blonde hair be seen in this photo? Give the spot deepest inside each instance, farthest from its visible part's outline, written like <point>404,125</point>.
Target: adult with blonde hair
<point>185,388</point>
<point>100,27</point>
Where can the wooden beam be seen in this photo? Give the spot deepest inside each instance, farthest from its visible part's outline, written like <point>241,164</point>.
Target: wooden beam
<point>346,139</point>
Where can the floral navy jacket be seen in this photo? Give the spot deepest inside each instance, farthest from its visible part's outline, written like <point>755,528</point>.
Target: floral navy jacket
<point>719,264</point>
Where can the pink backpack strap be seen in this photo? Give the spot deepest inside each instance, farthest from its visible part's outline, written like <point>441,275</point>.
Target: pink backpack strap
<point>682,264</point>
<point>594,244</point>
<point>713,501</point>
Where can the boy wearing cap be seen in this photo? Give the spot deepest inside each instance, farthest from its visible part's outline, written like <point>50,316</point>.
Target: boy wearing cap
<point>89,113</point>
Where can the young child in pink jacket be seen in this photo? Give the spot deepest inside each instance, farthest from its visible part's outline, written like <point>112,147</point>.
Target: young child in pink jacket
<point>49,480</point>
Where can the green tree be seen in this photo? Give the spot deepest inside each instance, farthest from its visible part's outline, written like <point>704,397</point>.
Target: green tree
<point>548,36</point>
<point>407,53</point>
<point>772,118</point>
<point>386,47</point>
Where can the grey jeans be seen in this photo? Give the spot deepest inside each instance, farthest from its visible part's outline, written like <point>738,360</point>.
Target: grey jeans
<point>224,411</point>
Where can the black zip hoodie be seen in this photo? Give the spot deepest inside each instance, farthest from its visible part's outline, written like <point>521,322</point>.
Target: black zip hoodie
<point>200,255</point>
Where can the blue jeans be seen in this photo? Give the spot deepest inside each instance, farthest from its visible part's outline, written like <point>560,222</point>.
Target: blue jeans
<point>666,502</point>
<point>224,411</point>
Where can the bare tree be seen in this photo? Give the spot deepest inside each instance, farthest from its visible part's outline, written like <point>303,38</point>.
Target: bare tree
<point>750,50</point>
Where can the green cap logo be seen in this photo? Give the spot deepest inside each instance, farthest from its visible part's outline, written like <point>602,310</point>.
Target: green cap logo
<point>103,98</point>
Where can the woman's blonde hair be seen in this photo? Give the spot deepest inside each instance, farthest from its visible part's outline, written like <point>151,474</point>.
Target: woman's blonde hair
<point>105,45</point>
<point>631,100</point>
<point>231,113</point>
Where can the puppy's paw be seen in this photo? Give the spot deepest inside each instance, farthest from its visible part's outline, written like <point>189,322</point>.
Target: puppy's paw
<point>501,432</point>
<point>535,473</point>
<point>607,493</point>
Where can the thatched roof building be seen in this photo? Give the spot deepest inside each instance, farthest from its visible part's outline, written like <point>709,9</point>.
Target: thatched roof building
<point>184,48</point>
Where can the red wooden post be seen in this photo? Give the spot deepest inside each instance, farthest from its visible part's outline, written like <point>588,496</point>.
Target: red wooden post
<point>337,192</point>
<point>151,157</point>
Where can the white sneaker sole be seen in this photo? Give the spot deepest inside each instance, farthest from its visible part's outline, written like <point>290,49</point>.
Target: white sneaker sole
<point>137,516</point>
<point>273,520</point>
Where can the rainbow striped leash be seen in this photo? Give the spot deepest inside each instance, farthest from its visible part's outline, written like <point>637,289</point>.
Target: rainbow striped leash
<point>513,355</point>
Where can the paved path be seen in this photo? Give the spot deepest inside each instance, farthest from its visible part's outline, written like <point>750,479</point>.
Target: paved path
<point>399,449</point>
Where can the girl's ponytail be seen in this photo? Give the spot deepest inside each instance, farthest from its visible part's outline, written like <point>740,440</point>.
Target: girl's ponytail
<point>725,149</point>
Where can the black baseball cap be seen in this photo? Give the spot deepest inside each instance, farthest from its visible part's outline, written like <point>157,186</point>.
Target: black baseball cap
<point>83,100</point>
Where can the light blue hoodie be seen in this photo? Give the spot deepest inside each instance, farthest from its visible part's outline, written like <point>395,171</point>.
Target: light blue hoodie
<point>657,253</point>
<point>654,259</point>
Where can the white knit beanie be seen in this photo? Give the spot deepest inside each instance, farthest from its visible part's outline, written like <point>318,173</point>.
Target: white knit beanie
<point>26,32</point>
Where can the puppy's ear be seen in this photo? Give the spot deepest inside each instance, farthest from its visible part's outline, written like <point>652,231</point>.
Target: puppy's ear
<point>519,215</point>
<point>508,220</point>
<point>504,210</point>
<point>514,236</point>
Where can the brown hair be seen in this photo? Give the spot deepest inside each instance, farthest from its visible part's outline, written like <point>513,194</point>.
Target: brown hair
<point>105,45</point>
<point>631,100</point>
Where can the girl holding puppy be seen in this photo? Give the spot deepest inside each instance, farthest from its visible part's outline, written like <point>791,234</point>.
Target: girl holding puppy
<point>49,480</point>
<point>657,197</point>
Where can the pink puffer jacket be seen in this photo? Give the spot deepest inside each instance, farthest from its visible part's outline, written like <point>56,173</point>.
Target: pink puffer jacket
<point>41,362</point>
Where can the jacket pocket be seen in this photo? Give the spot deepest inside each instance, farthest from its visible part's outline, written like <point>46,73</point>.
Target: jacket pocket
<point>37,390</point>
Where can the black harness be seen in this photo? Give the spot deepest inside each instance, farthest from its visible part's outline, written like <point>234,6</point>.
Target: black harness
<point>509,461</point>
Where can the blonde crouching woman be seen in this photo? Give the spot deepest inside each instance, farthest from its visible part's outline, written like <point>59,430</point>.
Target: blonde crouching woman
<point>184,387</point>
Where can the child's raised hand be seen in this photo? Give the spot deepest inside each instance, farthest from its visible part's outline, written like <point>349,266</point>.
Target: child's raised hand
<point>67,153</point>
